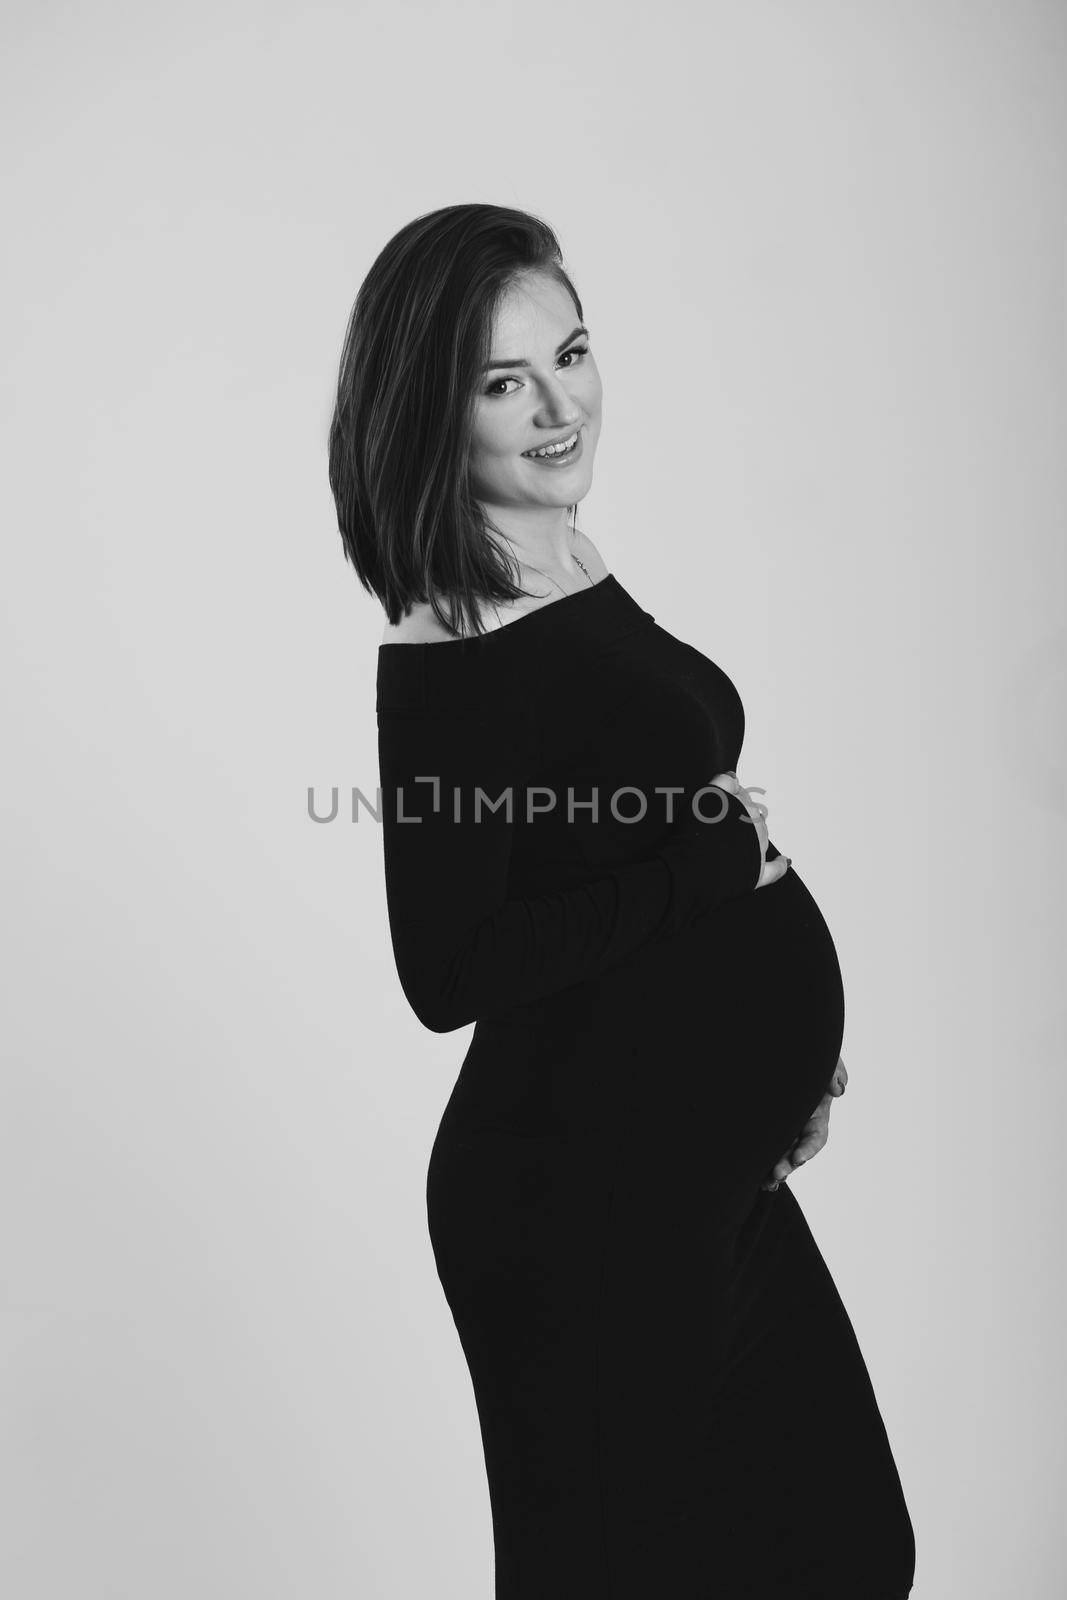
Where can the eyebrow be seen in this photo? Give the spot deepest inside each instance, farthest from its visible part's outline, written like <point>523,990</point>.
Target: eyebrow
<point>518,362</point>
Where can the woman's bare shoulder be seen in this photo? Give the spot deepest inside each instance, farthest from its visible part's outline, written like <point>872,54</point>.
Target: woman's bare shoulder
<point>419,626</point>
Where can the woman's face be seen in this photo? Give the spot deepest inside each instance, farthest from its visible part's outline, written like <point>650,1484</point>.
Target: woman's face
<point>548,392</point>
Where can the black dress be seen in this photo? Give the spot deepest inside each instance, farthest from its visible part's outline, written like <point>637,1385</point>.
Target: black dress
<point>672,1401</point>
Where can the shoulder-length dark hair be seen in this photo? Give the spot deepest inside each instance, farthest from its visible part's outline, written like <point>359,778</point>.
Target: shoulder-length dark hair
<point>417,342</point>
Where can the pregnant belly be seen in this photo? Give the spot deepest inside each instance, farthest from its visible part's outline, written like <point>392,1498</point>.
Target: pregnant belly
<point>732,1029</point>
<point>721,1040</point>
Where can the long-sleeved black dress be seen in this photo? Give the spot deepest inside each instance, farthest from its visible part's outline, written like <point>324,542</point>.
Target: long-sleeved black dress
<point>672,1401</point>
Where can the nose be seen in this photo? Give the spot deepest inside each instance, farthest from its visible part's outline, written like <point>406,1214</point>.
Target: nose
<point>560,409</point>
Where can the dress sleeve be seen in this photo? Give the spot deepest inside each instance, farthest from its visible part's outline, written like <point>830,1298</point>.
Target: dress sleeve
<point>463,948</point>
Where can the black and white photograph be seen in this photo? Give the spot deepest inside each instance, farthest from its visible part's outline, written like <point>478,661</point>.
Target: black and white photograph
<point>535,678</point>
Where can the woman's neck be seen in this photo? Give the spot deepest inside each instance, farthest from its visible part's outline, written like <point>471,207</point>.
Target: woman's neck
<point>544,551</point>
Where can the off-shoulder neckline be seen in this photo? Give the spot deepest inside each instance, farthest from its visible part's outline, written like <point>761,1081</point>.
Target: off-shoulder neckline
<point>507,627</point>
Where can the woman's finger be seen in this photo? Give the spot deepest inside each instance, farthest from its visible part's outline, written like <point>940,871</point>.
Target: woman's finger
<point>809,1146</point>
<point>808,1143</point>
<point>778,1172</point>
<point>813,1135</point>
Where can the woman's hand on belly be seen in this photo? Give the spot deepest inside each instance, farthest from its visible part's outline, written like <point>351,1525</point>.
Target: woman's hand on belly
<point>771,871</point>
<point>814,1133</point>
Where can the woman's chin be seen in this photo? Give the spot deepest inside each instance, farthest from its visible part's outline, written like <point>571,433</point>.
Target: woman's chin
<point>570,489</point>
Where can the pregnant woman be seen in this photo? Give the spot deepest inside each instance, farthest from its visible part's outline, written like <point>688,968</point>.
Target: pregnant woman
<point>672,1402</point>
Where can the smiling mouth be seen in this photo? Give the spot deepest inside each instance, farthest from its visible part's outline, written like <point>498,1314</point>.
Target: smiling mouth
<point>553,452</point>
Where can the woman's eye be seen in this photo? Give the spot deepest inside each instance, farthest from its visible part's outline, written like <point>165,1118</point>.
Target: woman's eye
<point>494,390</point>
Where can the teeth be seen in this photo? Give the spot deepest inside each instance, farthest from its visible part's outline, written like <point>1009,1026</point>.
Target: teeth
<point>555,449</point>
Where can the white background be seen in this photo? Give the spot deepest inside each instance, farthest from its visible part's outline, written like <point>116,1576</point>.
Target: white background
<point>821,251</point>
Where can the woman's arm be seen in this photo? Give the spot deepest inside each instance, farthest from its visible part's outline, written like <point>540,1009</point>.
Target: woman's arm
<point>463,948</point>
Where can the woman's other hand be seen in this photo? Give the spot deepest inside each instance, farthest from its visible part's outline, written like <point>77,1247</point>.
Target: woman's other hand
<point>770,871</point>
<point>814,1133</point>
